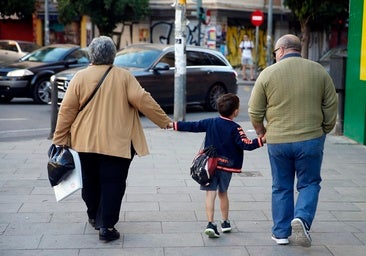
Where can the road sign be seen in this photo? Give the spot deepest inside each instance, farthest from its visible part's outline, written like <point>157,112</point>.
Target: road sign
<point>257,18</point>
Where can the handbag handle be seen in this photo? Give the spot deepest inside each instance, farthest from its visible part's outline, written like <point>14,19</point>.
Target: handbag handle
<point>96,88</point>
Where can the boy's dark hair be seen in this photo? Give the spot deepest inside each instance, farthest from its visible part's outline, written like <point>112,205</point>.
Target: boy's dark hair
<point>227,104</point>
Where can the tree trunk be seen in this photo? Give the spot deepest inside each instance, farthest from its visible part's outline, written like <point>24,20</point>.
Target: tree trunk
<point>305,38</point>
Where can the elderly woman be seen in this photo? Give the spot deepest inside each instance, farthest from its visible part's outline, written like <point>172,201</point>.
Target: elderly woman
<point>107,133</point>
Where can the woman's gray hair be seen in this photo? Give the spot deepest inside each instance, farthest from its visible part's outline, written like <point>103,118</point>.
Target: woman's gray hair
<point>102,50</point>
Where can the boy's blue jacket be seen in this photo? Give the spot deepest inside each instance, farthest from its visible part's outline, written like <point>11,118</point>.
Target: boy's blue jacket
<point>226,136</point>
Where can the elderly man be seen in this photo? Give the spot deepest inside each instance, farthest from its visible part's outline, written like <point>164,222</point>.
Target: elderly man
<point>297,98</point>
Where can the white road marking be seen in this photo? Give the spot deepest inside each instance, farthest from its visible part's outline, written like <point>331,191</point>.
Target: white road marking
<point>13,119</point>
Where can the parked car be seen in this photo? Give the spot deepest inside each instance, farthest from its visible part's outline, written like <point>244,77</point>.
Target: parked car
<point>30,77</point>
<point>208,73</point>
<point>325,59</point>
<point>13,50</point>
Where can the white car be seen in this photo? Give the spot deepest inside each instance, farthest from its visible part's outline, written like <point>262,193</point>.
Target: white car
<point>13,50</point>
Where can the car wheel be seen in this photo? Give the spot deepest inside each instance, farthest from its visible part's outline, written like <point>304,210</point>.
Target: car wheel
<point>42,91</point>
<point>5,99</point>
<point>213,94</point>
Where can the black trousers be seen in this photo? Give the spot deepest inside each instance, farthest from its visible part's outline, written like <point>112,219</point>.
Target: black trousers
<point>104,185</point>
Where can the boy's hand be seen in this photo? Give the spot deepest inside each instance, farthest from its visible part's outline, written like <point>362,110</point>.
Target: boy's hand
<point>170,125</point>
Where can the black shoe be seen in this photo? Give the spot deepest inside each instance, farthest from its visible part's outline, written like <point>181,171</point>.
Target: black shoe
<point>108,235</point>
<point>92,223</point>
<point>280,241</point>
<point>211,230</point>
<point>225,226</point>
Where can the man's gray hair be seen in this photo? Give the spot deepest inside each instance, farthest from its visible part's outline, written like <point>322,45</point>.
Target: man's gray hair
<point>290,42</point>
<point>102,50</point>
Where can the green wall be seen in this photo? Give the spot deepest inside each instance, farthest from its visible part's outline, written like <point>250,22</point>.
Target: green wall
<point>355,101</point>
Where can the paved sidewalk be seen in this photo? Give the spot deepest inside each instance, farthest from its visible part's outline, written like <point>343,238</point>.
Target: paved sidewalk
<point>163,210</point>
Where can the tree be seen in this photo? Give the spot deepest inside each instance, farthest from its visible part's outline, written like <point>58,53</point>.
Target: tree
<point>22,9</point>
<point>105,14</point>
<point>310,12</point>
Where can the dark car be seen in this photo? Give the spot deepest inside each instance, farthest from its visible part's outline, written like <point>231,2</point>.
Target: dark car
<point>13,50</point>
<point>30,77</point>
<point>208,73</point>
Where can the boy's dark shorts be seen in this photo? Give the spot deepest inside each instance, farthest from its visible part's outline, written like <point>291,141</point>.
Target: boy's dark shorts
<point>220,181</point>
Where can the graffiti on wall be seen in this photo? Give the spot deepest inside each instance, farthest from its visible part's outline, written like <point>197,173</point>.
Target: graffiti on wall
<point>162,32</point>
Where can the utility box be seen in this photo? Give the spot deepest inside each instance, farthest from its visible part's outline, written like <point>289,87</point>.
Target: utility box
<point>338,74</point>
<point>338,71</point>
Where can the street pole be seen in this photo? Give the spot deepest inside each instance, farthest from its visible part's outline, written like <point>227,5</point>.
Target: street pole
<point>198,10</point>
<point>180,61</point>
<point>46,24</point>
<point>256,50</point>
<point>54,108</point>
<point>269,33</point>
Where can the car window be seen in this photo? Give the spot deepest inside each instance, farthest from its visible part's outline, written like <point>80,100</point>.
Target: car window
<point>80,55</point>
<point>49,54</point>
<point>197,59</point>
<point>169,59</point>
<point>136,57</point>
<point>215,60</point>
<point>28,47</point>
<point>8,46</point>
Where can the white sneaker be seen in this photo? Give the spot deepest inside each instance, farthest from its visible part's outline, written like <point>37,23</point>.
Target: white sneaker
<point>280,241</point>
<point>300,233</point>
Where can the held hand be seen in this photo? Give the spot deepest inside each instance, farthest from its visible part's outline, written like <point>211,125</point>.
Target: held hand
<point>264,140</point>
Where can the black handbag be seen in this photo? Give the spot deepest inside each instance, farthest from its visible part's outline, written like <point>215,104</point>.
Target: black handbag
<point>60,164</point>
<point>204,165</point>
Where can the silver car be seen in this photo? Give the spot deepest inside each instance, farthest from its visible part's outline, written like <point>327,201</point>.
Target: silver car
<point>13,50</point>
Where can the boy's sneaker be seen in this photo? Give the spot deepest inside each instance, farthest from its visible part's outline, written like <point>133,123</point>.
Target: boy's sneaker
<point>280,241</point>
<point>211,230</point>
<point>225,226</point>
<point>300,232</point>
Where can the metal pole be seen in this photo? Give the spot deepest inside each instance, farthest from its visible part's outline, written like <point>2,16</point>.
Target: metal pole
<point>256,50</point>
<point>180,61</point>
<point>46,24</point>
<point>198,10</point>
<point>54,109</point>
<point>269,33</point>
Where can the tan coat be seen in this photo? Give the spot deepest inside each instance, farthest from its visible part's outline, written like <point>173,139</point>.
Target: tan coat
<point>110,123</point>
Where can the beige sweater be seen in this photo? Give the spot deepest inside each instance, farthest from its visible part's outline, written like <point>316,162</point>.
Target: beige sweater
<point>297,98</point>
<point>110,123</point>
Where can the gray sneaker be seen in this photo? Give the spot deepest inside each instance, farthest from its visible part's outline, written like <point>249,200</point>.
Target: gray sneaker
<point>300,233</point>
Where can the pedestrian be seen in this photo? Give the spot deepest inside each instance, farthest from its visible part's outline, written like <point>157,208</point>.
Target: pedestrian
<point>297,98</point>
<point>230,140</point>
<point>246,46</point>
<point>107,133</point>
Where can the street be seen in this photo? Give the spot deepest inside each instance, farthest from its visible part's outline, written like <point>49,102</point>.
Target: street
<point>22,119</point>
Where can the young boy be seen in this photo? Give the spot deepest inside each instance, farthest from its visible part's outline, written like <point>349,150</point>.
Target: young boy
<point>230,140</point>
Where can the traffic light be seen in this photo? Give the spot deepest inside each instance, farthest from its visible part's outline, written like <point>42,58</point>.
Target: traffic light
<point>202,15</point>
